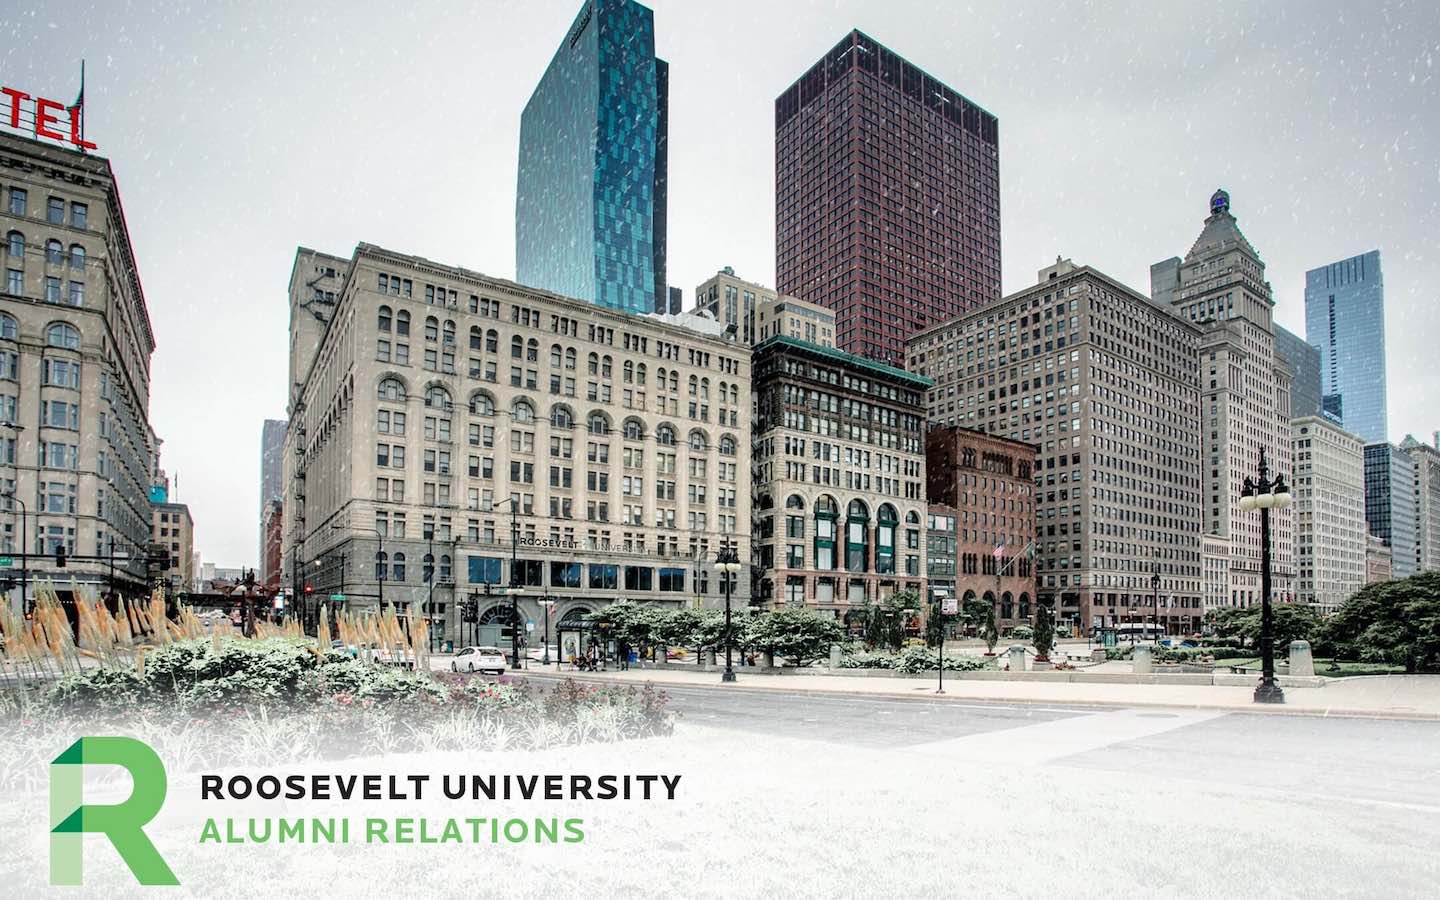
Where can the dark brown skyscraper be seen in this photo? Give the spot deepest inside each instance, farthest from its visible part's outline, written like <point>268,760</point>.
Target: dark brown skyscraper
<point>887,197</point>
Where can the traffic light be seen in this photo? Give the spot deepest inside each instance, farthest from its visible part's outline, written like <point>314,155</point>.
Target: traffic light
<point>309,588</point>
<point>60,556</point>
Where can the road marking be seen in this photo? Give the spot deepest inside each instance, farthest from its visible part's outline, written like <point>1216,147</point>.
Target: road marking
<point>1044,742</point>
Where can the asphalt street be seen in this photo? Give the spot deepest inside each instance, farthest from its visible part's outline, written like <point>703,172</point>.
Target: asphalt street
<point>1333,761</point>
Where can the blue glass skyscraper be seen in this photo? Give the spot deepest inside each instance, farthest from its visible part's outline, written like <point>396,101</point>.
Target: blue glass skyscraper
<point>1345,318</point>
<point>590,197</point>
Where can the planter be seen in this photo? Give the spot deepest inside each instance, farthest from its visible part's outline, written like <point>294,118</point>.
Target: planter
<point>991,661</point>
<point>1041,665</point>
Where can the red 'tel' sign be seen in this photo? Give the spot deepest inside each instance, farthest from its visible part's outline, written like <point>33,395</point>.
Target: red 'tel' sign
<point>46,118</point>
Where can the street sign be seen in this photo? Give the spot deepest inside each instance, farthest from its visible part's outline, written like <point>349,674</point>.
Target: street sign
<point>949,606</point>
<point>6,562</point>
<point>529,626</point>
<point>337,598</point>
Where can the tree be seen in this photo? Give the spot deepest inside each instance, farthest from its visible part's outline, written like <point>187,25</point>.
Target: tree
<point>1293,622</point>
<point>677,627</point>
<point>1397,622</point>
<point>1044,631</point>
<point>935,624</point>
<point>990,632</point>
<point>794,633</point>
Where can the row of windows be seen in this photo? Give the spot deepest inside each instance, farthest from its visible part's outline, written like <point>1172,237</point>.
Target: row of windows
<point>58,334</point>
<point>54,209</point>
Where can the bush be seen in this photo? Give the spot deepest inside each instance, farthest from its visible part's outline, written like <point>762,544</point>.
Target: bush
<point>909,661</point>
<point>1021,633</point>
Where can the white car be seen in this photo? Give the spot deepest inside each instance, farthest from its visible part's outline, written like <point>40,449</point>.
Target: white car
<point>479,659</point>
<point>537,654</point>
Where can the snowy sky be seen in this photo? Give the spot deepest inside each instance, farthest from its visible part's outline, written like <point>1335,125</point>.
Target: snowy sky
<point>239,131</point>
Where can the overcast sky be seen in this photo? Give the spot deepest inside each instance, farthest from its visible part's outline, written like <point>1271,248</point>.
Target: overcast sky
<point>239,131</point>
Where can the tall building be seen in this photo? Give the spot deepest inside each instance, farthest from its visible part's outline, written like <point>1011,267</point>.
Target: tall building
<point>1330,531</point>
<point>988,482</point>
<point>1245,394</point>
<point>1390,504</point>
<point>1377,560</point>
<point>272,490</point>
<point>1345,318</point>
<point>76,448</point>
<point>839,451</point>
<point>1304,362</point>
<point>752,312</point>
<point>1427,503</point>
<point>887,197</point>
<point>173,533</point>
<point>1105,384</point>
<point>272,535</point>
<point>590,199</point>
<point>617,441</point>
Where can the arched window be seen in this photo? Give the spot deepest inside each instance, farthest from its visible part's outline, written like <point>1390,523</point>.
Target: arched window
<point>674,382</point>
<point>436,397</point>
<point>694,385</point>
<point>8,329</point>
<point>885,539</point>
<point>15,245</point>
<point>492,341</point>
<point>446,570</point>
<point>1025,606</point>
<point>795,501</point>
<point>54,253</point>
<point>570,358</point>
<point>532,350</point>
<point>628,372</point>
<point>660,378</point>
<point>727,445</point>
<point>402,323</point>
<point>498,615</point>
<point>517,347</point>
<point>826,514</point>
<point>522,411</point>
<point>397,567</point>
<point>77,256</point>
<point>383,318</point>
<point>665,436</point>
<point>704,389</point>
<point>634,431</point>
<point>432,329</point>
<point>482,404</point>
<point>765,501</point>
<point>555,356</point>
<point>640,374</point>
<point>381,561</point>
<point>427,568</point>
<point>447,333</point>
<point>857,536</point>
<point>606,364</point>
<point>62,335</point>
<point>697,441</point>
<point>477,338</point>
<point>391,388</point>
<point>592,364</point>
<point>561,416</point>
<point>912,518</point>
<point>599,424</point>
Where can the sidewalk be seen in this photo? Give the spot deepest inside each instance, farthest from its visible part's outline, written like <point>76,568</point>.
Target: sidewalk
<point>1376,696</point>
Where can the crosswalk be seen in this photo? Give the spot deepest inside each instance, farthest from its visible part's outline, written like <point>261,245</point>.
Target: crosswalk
<point>1044,742</point>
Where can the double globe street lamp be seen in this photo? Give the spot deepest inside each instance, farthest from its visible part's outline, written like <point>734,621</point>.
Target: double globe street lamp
<point>727,562</point>
<point>1265,494</point>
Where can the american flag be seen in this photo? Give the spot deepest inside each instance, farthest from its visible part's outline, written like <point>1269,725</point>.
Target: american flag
<point>999,550</point>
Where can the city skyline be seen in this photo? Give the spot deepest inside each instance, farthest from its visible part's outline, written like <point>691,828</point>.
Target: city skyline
<point>218,183</point>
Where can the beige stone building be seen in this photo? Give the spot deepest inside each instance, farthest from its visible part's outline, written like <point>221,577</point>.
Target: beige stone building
<point>1103,382</point>
<point>1330,531</point>
<point>756,312</point>
<point>173,532</point>
<point>431,401</point>
<point>1245,385</point>
<point>839,473</point>
<point>76,446</point>
<point>1427,503</point>
<point>1377,560</point>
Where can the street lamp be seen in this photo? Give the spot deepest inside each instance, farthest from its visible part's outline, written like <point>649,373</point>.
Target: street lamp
<point>1155,597</point>
<point>1265,494</point>
<point>514,589</point>
<point>24,547</point>
<point>547,603</point>
<point>727,562</point>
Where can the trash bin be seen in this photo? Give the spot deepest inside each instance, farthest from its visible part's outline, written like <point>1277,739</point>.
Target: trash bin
<point>449,646</point>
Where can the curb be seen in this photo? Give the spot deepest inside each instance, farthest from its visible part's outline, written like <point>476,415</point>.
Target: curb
<point>1259,709</point>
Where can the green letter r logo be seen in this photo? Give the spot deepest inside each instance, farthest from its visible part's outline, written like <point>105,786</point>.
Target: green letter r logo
<point>121,823</point>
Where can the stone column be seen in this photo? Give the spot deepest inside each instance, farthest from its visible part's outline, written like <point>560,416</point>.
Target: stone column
<point>1301,660</point>
<point>1017,658</point>
<point>1141,658</point>
<point>710,657</point>
<point>834,656</point>
<point>768,659</point>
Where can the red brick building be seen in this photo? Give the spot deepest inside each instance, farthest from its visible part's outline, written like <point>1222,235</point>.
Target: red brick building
<point>887,197</point>
<point>988,484</point>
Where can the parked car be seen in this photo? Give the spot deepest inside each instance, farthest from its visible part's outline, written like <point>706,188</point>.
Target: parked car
<point>479,659</point>
<point>536,654</point>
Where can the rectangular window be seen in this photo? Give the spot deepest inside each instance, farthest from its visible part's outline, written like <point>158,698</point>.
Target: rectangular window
<point>79,215</point>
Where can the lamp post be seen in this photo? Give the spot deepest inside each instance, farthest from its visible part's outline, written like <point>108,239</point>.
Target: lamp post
<point>728,564</point>
<point>546,604</point>
<point>24,548</point>
<point>1264,493</point>
<point>514,589</point>
<point>1155,597</point>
